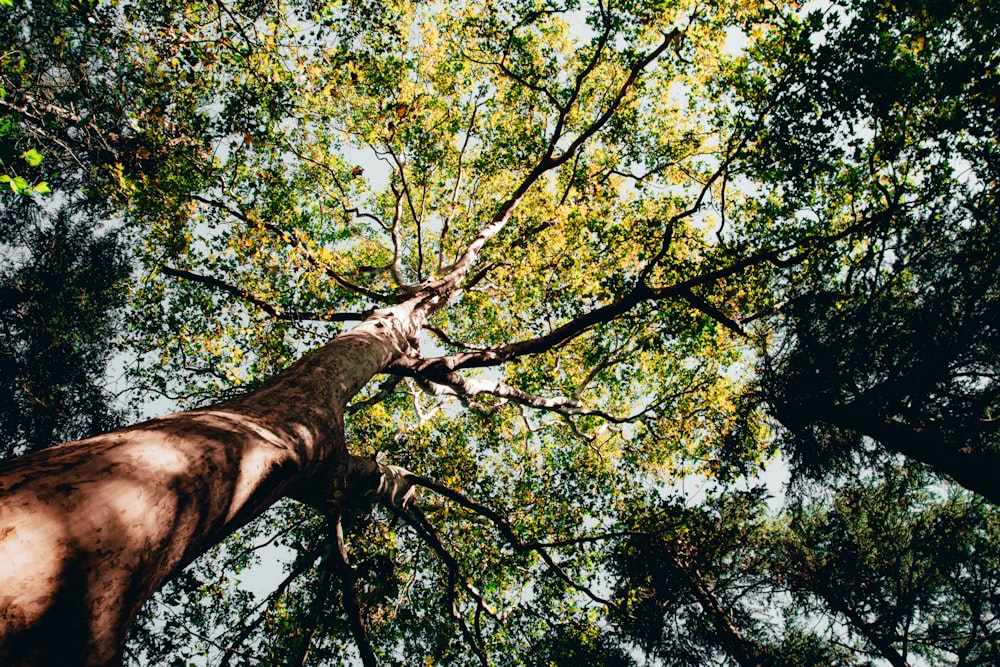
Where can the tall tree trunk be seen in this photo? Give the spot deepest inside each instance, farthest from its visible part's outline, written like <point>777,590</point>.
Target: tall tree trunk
<point>729,636</point>
<point>974,466</point>
<point>90,529</point>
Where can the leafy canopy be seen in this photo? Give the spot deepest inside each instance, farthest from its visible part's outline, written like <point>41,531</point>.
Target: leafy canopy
<point>679,198</point>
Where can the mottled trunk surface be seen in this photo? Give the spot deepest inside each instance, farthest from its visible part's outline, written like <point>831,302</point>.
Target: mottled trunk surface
<point>90,529</point>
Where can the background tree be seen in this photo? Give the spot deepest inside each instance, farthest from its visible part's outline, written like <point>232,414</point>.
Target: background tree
<point>891,567</point>
<point>893,337</point>
<point>909,570</point>
<point>73,95</point>
<point>57,302</point>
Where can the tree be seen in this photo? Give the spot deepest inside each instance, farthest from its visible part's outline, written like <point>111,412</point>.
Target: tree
<point>55,313</point>
<point>894,339</point>
<point>541,253</point>
<point>66,127</point>
<point>690,578</point>
<point>908,572</point>
<point>124,547</point>
<point>891,565</point>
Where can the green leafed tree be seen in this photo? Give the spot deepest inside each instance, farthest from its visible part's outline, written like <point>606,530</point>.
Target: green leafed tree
<point>889,568</point>
<point>907,569</point>
<point>63,269</point>
<point>58,297</point>
<point>447,291</point>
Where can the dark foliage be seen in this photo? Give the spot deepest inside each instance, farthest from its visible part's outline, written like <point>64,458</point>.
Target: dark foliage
<point>60,293</point>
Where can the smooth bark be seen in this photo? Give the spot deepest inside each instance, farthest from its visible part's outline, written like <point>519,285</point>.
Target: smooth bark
<point>90,529</point>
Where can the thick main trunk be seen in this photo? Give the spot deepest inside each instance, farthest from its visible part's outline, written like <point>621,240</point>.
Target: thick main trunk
<point>90,529</point>
<point>975,468</point>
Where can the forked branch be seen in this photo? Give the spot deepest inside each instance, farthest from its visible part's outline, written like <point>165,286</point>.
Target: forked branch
<point>786,255</point>
<point>454,384</point>
<point>396,488</point>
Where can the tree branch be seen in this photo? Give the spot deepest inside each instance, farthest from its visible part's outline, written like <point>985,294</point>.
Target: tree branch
<point>425,530</point>
<point>295,243</point>
<point>454,384</point>
<point>349,593</point>
<point>222,286</point>
<point>639,294</point>
<point>432,292</point>
<point>507,531</point>
<point>713,312</point>
<point>249,297</point>
<point>385,390</point>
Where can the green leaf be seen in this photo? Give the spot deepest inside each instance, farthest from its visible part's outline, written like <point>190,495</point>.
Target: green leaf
<point>32,157</point>
<point>42,188</point>
<point>6,3</point>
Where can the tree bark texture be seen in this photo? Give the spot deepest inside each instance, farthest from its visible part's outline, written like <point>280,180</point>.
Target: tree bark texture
<point>90,529</point>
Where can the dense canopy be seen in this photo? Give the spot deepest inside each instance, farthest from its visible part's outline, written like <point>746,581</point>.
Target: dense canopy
<point>644,258</point>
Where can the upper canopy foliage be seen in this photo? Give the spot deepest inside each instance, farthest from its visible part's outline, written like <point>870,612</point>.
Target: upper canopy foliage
<point>695,215</point>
